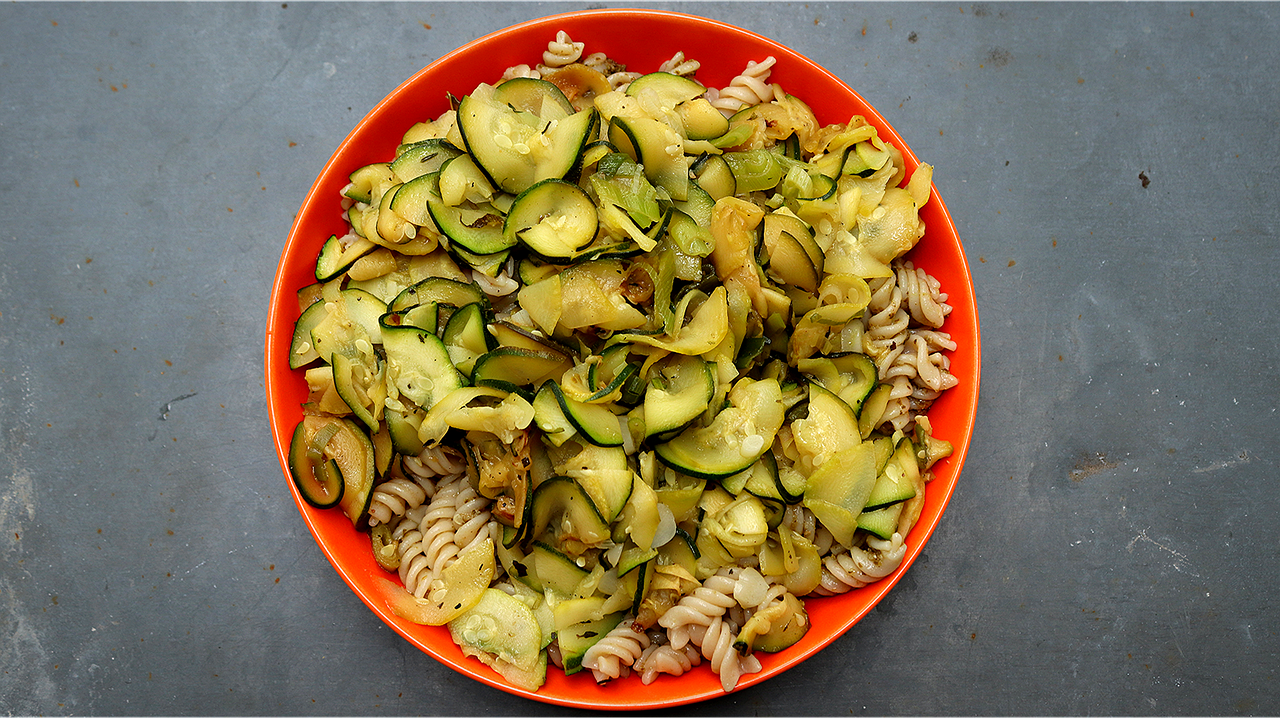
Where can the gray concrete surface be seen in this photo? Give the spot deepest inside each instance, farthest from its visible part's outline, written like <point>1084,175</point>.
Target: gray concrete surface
<point>1112,546</point>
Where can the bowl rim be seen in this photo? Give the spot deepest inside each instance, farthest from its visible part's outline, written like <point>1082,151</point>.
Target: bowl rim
<point>279,327</point>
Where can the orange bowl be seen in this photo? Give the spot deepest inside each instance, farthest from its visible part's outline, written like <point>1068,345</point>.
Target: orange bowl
<point>642,39</point>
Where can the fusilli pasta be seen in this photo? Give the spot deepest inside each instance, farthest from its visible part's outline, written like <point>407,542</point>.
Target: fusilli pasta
<point>562,51</point>
<point>665,659</point>
<point>750,87</point>
<point>613,655</point>
<point>858,567</point>
<point>699,608</point>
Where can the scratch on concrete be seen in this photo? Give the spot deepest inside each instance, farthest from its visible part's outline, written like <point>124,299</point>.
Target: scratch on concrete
<point>168,406</point>
<point>1243,458</point>
<point>1180,561</point>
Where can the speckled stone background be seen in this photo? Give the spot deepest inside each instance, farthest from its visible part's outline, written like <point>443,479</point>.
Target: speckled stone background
<point>1111,548</point>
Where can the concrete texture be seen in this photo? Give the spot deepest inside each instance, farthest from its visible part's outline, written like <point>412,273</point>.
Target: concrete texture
<point>1112,545</point>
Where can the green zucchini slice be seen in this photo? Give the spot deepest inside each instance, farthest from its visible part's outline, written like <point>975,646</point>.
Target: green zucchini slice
<point>516,148</point>
<point>419,365</point>
<point>422,158</point>
<point>553,218</point>
<point>508,367</point>
<point>335,258</point>
<point>678,393</point>
<point>441,290</point>
<point>733,441</point>
<point>465,338</point>
<point>319,481</point>
<point>531,95</point>
<point>563,510</point>
<point>594,422</point>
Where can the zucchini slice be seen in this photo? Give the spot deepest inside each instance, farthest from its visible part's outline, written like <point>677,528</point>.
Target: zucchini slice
<point>302,350</point>
<point>553,570</point>
<point>553,218</point>
<point>410,201</point>
<point>667,88</point>
<point>702,121</point>
<point>882,522</point>
<point>604,474</point>
<point>345,444</point>
<point>419,365</point>
<point>873,409</point>
<point>738,436</point>
<point>562,510</point>
<point>502,627</point>
<point>351,389</point>
<point>422,158</point>
<point>508,367</point>
<point>442,290</point>
<point>594,422</point>
<point>352,318</point>
<point>794,257</point>
<point>465,338</point>
<point>516,148</point>
<point>507,334</point>
<point>319,481</point>
<point>897,481</point>
<point>678,392</point>
<point>531,94</point>
<point>714,175</point>
<point>658,148</point>
<point>365,179</point>
<point>838,489</point>
<point>549,416</point>
<point>403,428</point>
<point>576,639</point>
<point>335,258</point>
<point>478,231</point>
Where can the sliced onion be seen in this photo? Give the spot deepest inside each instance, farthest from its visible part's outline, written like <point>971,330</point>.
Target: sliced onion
<point>613,554</point>
<point>608,582</point>
<point>320,440</point>
<point>666,526</point>
<point>751,588</point>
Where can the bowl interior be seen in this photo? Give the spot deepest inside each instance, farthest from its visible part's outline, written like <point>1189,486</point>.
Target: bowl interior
<point>643,40</point>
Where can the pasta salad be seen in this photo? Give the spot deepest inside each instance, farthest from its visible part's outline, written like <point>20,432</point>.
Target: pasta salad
<point>617,370</point>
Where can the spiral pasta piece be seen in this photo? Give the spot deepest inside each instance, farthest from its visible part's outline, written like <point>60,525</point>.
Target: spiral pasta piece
<point>562,51</point>
<point>455,520</point>
<point>413,569</point>
<point>698,609</point>
<point>470,518</point>
<point>521,70</point>
<point>621,79</point>
<point>925,300</point>
<point>395,496</point>
<point>665,659</point>
<point>716,644</point>
<point>901,335</point>
<point>438,461</point>
<point>750,87</point>
<point>886,324</point>
<point>614,654</point>
<point>859,567</point>
<point>679,65</point>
